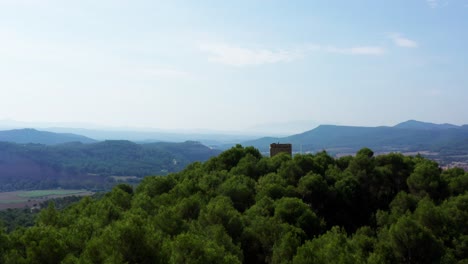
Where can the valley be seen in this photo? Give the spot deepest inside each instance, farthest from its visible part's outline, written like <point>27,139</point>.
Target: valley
<point>94,166</point>
<point>231,132</point>
<point>33,159</point>
<point>33,199</point>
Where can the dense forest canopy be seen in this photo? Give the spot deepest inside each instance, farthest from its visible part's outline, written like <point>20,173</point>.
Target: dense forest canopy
<point>78,165</point>
<point>240,207</point>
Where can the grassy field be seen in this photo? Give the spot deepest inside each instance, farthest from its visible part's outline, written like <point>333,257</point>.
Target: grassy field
<point>41,193</point>
<point>12,201</point>
<point>124,178</point>
<point>21,199</point>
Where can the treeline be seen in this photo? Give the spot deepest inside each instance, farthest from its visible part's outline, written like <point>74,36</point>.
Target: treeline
<point>13,218</point>
<point>112,157</point>
<point>77,165</point>
<point>240,207</point>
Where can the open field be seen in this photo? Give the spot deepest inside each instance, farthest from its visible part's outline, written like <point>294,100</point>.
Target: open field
<point>41,193</point>
<point>21,199</point>
<point>124,178</point>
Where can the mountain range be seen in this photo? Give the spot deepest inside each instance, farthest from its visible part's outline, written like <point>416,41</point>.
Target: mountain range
<point>137,134</point>
<point>31,158</point>
<point>407,136</point>
<point>411,135</point>
<point>29,135</point>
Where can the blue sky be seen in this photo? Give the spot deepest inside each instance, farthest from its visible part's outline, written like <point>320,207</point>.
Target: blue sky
<point>234,65</point>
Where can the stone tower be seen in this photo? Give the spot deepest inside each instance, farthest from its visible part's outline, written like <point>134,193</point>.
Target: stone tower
<point>276,148</point>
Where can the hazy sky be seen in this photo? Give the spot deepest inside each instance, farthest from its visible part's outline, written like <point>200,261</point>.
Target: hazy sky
<point>233,65</point>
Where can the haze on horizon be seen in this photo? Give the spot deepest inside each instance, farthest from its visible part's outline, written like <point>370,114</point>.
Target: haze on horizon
<point>233,66</point>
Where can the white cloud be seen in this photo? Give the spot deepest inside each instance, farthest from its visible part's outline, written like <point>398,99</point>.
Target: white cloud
<point>432,3</point>
<point>401,41</point>
<point>236,56</point>
<point>358,50</point>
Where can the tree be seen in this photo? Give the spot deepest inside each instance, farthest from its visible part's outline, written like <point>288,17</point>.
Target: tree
<point>363,163</point>
<point>291,172</point>
<point>220,211</point>
<point>195,249</point>
<point>271,185</point>
<point>314,190</point>
<point>241,190</point>
<point>322,162</point>
<point>230,158</point>
<point>412,243</point>
<point>457,180</point>
<point>247,166</point>
<point>425,180</point>
<point>4,242</point>
<point>285,248</point>
<point>153,186</point>
<point>400,167</point>
<point>259,237</point>
<point>331,247</point>
<point>295,212</point>
<point>49,216</point>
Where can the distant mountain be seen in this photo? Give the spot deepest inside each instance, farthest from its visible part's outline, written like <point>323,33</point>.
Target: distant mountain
<point>413,124</point>
<point>78,165</point>
<point>279,129</point>
<point>140,134</point>
<point>407,136</point>
<point>148,136</point>
<point>29,135</point>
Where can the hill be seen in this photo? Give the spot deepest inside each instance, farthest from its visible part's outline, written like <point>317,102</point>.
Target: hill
<point>29,135</point>
<point>241,207</point>
<point>78,165</point>
<point>413,124</point>
<point>408,136</point>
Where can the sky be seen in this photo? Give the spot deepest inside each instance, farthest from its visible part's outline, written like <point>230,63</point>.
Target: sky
<point>234,65</point>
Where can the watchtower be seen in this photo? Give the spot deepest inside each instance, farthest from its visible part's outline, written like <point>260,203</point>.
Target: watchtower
<point>276,148</point>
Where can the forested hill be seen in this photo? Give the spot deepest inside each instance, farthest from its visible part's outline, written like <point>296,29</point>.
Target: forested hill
<point>29,135</point>
<point>414,124</point>
<point>407,136</point>
<point>73,165</point>
<point>240,207</point>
